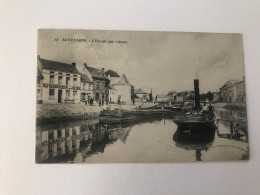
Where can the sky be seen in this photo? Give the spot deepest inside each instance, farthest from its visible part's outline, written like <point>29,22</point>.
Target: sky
<point>163,61</point>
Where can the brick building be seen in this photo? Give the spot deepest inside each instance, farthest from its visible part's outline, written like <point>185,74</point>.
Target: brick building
<point>100,83</point>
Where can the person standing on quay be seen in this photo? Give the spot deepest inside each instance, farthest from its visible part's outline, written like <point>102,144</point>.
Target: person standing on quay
<point>205,108</point>
<point>91,102</point>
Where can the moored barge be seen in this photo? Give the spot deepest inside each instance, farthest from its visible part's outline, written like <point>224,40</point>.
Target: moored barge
<point>196,119</point>
<point>120,115</point>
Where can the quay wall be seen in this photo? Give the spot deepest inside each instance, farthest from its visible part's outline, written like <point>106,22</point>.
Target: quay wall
<point>65,112</point>
<point>230,106</point>
<point>234,106</point>
<point>46,113</point>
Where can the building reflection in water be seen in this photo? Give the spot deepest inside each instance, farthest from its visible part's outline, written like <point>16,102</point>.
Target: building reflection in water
<point>197,140</point>
<point>77,141</point>
<point>235,122</point>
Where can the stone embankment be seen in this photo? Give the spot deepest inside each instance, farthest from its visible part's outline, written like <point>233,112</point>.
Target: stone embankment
<point>46,113</point>
<point>235,106</point>
<point>65,112</point>
<point>230,106</point>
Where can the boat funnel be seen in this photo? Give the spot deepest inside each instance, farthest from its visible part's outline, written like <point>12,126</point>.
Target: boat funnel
<point>197,93</point>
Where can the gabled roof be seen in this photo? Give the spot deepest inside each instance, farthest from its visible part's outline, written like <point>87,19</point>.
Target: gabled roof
<point>139,91</point>
<point>122,80</point>
<point>85,78</point>
<point>57,66</point>
<point>161,96</point>
<point>95,72</point>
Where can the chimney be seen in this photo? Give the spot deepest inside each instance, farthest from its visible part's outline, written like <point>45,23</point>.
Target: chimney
<point>39,56</point>
<point>74,64</point>
<point>197,93</point>
<point>102,69</point>
<point>85,65</point>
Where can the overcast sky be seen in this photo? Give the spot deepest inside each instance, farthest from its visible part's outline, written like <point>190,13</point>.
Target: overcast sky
<point>163,61</point>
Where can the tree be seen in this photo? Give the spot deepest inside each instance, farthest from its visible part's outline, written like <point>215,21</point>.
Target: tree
<point>203,97</point>
<point>210,96</point>
<point>112,73</point>
<point>191,97</point>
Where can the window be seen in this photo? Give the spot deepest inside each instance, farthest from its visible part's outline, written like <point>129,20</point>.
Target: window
<point>74,81</point>
<point>84,85</point>
<point>83,96</point>
<point>51,94</point>
<point>51,78</point>
<point>89,86</point>
<point>60,80</point>
<point>74,94</point>
<point>67,94</point>
<point>67,80</point>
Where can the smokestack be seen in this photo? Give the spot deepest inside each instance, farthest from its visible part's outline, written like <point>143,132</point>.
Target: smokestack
<point>197,93</point>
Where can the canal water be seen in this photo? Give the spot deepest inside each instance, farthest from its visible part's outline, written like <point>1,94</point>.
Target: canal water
<point>146,141</point>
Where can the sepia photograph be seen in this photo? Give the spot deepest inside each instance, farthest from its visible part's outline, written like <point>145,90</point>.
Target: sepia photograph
<point>140,97</point>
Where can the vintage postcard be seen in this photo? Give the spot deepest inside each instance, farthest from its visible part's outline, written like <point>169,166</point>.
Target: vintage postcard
<point>140,97</point>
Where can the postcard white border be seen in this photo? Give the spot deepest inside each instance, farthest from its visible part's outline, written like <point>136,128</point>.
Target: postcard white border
<point>19,22</point>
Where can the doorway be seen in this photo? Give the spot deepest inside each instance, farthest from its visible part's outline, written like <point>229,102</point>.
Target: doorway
<point>97,96</point>
<point>59,96</point>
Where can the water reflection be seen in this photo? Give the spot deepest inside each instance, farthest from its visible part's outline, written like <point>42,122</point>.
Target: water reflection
<point>77,141</point>
<point>194,140</point>
<point>149,140</point>
<point>235,124</point>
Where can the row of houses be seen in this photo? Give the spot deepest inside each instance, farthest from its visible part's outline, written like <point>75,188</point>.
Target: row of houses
<point>175,97</point>
<point>59,82</point>
<point>232,91</point>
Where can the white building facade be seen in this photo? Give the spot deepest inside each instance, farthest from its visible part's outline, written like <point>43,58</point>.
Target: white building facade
<point>113,95</point>
<point>123,87</point>
<point>61,82</point>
